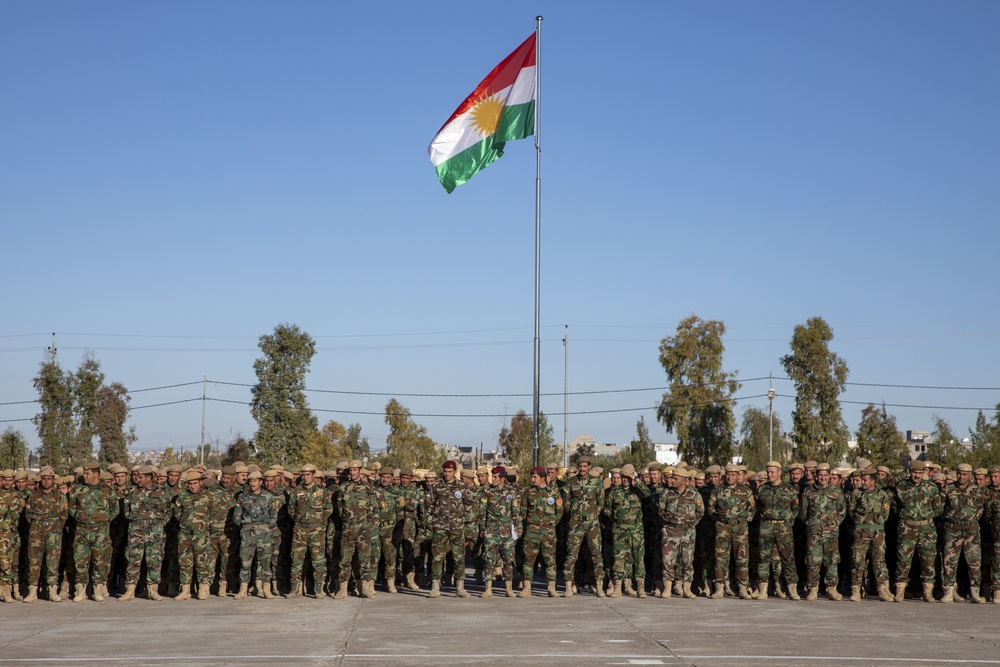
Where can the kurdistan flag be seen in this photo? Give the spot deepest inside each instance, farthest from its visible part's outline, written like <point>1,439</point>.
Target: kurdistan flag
<point>500,109</point>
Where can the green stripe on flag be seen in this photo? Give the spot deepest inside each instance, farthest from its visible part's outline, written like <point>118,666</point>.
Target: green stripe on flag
<point>517,122</point>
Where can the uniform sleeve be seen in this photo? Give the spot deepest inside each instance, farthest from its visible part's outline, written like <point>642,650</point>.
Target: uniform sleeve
<point>699,507</point>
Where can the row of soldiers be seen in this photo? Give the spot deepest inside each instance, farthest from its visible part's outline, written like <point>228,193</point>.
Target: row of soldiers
<point>670,530</point>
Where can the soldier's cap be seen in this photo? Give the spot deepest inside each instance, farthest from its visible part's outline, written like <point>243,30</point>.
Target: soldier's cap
<point>644,471</point>
<point>208,474</point>
<point>552,466</point>
<point>994,469</point>
<point>20,474</point>
<point>864,463</point>
<point>538,470</point>
<point>191,476</point>
<point>289,475</point>
<point>583,459</point>
<point>884,469</point>
<point>931,464</point>
<point>742,468</point>
<point>311,468</point>
<point>375,465</point>
<point>839,472</point>
<point>628,470</point>
<point>332,473</point>
<point>952,476</point>
<point>499,470</point>
<point>252,467</point>
<point>964,467</point>
<point>713,470</point>
<point>396,471</point>
<point>33,476</point>
<point>699,475</point>
<point>272,473</point>
<point>938,477</point>
<point>366,472</point>
<point>810,464</point>
<point>773,464</point>
<point>866,472</point>
<point>228,470</point>
<point>471,474</point>
<point>173,468</point>
<point>90,465</point>
<point>79,470</point>
<point>278,467</point>
<point>655,465</point>
<point>116,468</point>
<point>687,473</point>
<point>295,470</point>
<point>430,474</point>
<point>341,466</point>
<point>822,466</point>
<point>616,471</point>
<point>669,470</point>
<point>355,463</point>
<point>7,474</point>
<point>483,470</point>
<point>146,470</point>
<point>255,475</point>
<point>64,480</point>
<point>105,475</point>
<point>981,471</point>
<point>406,472</point>
<point>732,467</point>
<point>386,471</point>
<point>918,465</point>
<point>796,466</point>
<point>134,468</point>
<point>47,471</point>
<point>449,464</point>
<point>752,477</point>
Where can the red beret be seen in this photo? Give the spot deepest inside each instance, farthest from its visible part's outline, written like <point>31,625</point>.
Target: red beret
<point>449,464</point>
<point>499,470</point>
<point>538,471</point>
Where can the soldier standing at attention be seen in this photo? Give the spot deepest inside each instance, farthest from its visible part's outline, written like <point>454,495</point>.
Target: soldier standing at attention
<point>868,508</point>
<point>256,514</point>
<point>93,505</point>
<point>916,501</point>
<point>389,511</point>
<point>354,505</point>
<point>704,549</point>
<point>447,515</point>
<point>541,507</point>
<point>281,531</point>
<point>11,505</point>
<point>583,498</point>
<point>193,509</point>
<point>624,508</point>
<point>309,508</point>
<point>46,511</point>
<point>963,505</point>
<point>822,508</point>
<point>777,507</point>
<point>680,508</point>
<point>147,508</point>
<point>500,516</point>
<point>732,507</point>
<point>412,496</point>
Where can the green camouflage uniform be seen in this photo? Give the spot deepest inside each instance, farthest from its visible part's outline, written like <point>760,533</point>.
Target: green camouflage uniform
<point>147,510</point>
<point>822,510</point>
<point>223,535</point>
<point>868,511</point>
<point>541,509</point>
<point>732,508</point>
<point>256,514</point>
<point>777,508</point>
<point>387,513</point>
<point>356,506</point>
<point>473,501</point>
<point>583,499</point>
<point>92,507</point>
<point>624,508</point>
<point>962,508</point>
<point>194,516</point>
<point>309,507</point>
<point>413,497</point>
<point>679,513</point>
<point>11,506</point>
<point>46,513</point>
<point>500,514</point>
<point>916,506</point>
<point>445,505</point>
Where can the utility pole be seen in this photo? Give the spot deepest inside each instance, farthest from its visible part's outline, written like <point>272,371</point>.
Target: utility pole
<point>770,417</point>
<point>52,349</point>
<point>566,397</point>
<point>204,393</point>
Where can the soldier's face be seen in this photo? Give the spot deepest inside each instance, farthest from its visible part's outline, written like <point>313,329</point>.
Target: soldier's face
<point>537,480</point>
<point>551,474</point>
<point>121,478</point>
<point>173,478</point>
<point>386,480</point>
<point>194,486</point>
<point>241,477</point>
<point>161,479</point>
<point>431,481</point>
<point>271,483</point>
<point>869,482</point>
<point>449,474</point>
<point>484,479</point>
<point>355,474</point>
<point>810,474</point>
<point>916,476</point>
<point>48,481</point>
<point>836,480</point>
<point>405,480</point>
<point>655,477</point>
<point>699,482</point>
<point>981,481</point>
<point>91,477</point>
<point>309,476</point>
<point>583,469</point>
<point>795,475</point>
<point>498,480</point>
<point>616,479</point>
<point>882,475</point>
<point>255,485</point>
<point>146,481</point>
<point>964,477</point>
<point>732,478</point>
<point>21,484</point>
<point>823,478</point>
<point>714,478</point>
<point>227,480</point>
<point>6,483</point>
<point>773,475</point>
<point>995,479</point>
<point>626,481</point>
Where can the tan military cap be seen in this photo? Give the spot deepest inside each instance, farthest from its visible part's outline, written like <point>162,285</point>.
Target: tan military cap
<point>931,464</point>
<point>289,475</point>
<point>105,475</point>
<point>273,473</point>
<point>79,470</point>
<point>7,474</point>
<point>628,470</point>
<point>668,470</point>
<point>839,472</point>
<point>308,468</point>
<point>773,464</point>
<point>208,474</point>
<point>255,475</point>
<point>468,473</point>
<point>375,465</point>
<point>47,471</point>
<point>616,471</point>
<point>699,475</point>
<point>884,469</point>
<point>406,472</point>
<point>796,466</point>
<point>821,466</point>
<point>146,470</point>
<point>713,470</point>
<point>430,474</point>
<point>732,467</point>
<point>192,476</point>
<point>810,464</point>
<point>278,467</point>
<point>387,471</point>
<point>595,471</point>
<point>866,472</point>
<point>228,470</point>
<point>917,465</point>
<point>254,466</point>
<point>239,468</point>
<point>864,463</point>
<point>938,477</point>
<point>64,480</point>
<point>116,468</point>
<point>355,463</point>
<point>173,468</point>
<point>741,468</point>
<point>981,471</point>
<point>964,467</point>
<point>482,470</point>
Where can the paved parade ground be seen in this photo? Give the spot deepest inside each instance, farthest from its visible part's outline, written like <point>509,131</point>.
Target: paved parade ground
<point>409,629</point>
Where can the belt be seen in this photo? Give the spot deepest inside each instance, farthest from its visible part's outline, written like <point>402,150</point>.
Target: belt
<point>774,520</point>
<point>969,524</point>
<point>913,522</point>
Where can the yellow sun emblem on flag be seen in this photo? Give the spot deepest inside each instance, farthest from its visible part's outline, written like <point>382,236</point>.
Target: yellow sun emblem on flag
<point>486,115</point>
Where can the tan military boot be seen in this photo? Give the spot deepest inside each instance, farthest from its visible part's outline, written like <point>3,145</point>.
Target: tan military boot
<point>223,588</point>
<point>390,584</point>
<point>366,590</point>
<point>996,596</point>
<point>184,592</point>
<point>488,591</point>
<point>15,592</point>
<point>553,593</point>
<point>341,591</point>
<point>264,590</point>
<point>929,592</point>
<point>729,590</point>
<point>460,588</point>
<point>64,590</point>
<point>54,594</point>
<point>570,590</point>
<point>719,592</point>
<point>5,595</point>
<point>779,592</point>
<point>834,594</point>
<point>129,593</point>
<point>627,587</point>
<point>411,582</point>
<point>976,597</point>
<point>508,587</point>
<point>640,588</point>
<point>100,592</point>
<point>958,598</point>
<point>79,593</point>
<point>32,595</point>
<point>949,595</point>
<point>855,594</point>
<point>667,590</point>
<point>297,589</point>
<point>275,589</point>
<point>616,589</point>
<point>762,590</point>
<point>883,592</point>
<point>203,591</point>
<point>435,589</point>
<point>686,591</point>
<point>744,592</point>
<point>599,587</point>
<point>153,593</point>
<point>793,592</point>
<point>900,593</point>
<point>813,594</point>
<point>243,592</point>
<point>525,589</point>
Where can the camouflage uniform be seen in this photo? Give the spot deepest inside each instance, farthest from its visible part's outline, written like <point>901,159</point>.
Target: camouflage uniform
<point>916,506</point>
<point>355,504</point>
<point>500,520</point>
<point>822,510</point>
<point>413,497</point>
<point>732,508</point>
<point>223,535</point>
<point>991,510</point>
<point>281,534</point>
<point>704,545</point>
<point>679,512</point>
<point>193,511</point>
<point>46,512</point>
<point>446,508</point>
<point>387,513</point>
<point>584,501</point>
<point>92,507</point>
<point>868,511</point>
<point>777,508</point>
<point>472,500</point>
<point>11,506</point>
<point>961,512</point>
<point>624,507</point>
<point>256,514</point>
<point>147,510</point>
<point>541,509</point>
<point>309,507</point>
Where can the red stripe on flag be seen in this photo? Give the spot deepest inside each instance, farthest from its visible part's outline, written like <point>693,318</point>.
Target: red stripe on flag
<point>503,75</point>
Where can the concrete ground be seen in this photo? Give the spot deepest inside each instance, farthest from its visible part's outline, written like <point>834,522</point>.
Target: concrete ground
<point>407,629</point>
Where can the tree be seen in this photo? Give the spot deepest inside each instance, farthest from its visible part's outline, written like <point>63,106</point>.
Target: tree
<point>278,404</point>
<point>818,428</point>
<point>985,441</point>
<point>357,443</point>
<point>110,414</point>
<point>13,449</point>
<point>945,447</point>
<point>327,446</point>
<point>240,449</point>
<point>408,440</point>
<point>517,442</point>
<point>54,420</point>
<point>85,384</point>
<point>879,439</point>
<point>697,406</point>
<point>641,450</point>
<point>760,439</point>
<point>586,449</point>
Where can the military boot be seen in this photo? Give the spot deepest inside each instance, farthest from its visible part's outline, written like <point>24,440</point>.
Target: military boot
<point>855,594</point>
<point>929,592</point>
<point>54,594</point>
<point>813,594</point>
<point>264,590</point>
<point>5,595</point>
<point>793,591</point>
<point>667,590</point>
<point>367,589</point>
<point>435,589</point>
<point>719,591</point>
<point>900,593</point>
<point>729,590</point>
<point>525,589</point>
<point>297,589</point>
<point>153,593</point>
<point>202,591</point>
<point>32,595</point>
<point>640,588</point>
<point>976,597</point>
<point>553,593</point>
<point>79,593</point>
<point>686,591</point>
<point>341,591</point>
<point>223,588</point>
<point>508,587</point>
<point>243,592</point>
<point>958,598</point>
<point>628,588</point>
<point>833,593</point>
<point>488,591</point>
<point>460,588</point>
<point>599,587</point>
<point>883,592</point>
<point>100,592</point>
<point>949,595</point>
<point>129,593</point>
<point>184,592</point>
<point>996,596</point>
<point>15,592</point>
<point>762,590</point>
<point>744,591</point>
<point>275,591</point>
<point>64,590</point>
<point>616,589</point>
<point>779,592</point>
<point>570,590</point>
<point>411,582</point>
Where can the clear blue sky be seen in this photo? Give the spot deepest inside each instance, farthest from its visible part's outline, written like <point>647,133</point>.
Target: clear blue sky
<point>178,178</point>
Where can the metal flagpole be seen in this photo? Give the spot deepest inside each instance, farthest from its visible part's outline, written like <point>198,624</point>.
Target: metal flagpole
<point>538,234</point>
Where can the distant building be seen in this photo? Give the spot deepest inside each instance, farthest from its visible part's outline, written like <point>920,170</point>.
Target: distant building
<point>666,453</point>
